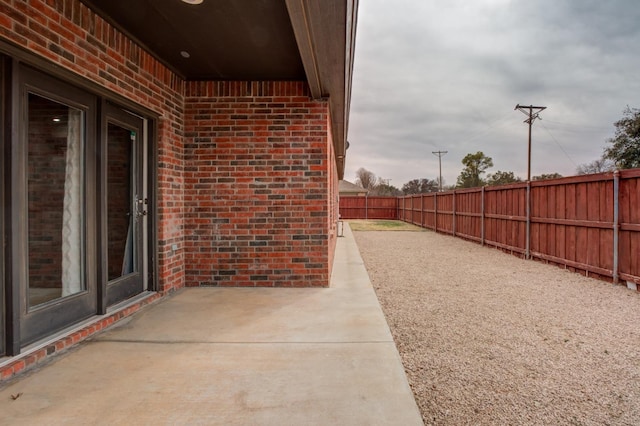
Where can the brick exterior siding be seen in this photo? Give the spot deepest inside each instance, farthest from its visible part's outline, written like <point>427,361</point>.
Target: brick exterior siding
<point>257,182</point>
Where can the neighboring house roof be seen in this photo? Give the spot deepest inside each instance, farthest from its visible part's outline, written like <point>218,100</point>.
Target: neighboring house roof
<point>346,187</point>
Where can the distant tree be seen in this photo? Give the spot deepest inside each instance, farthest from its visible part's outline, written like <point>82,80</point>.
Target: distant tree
<point>475,165</point>
<point>383,189</point>
<point>546,176</point>
<point>502,178</point>
<point>420,186</point>
<point>412,187</point>
<point>596,166</point>
<point>366,179</point>
<point>624,149</point>
<point>430,185</point>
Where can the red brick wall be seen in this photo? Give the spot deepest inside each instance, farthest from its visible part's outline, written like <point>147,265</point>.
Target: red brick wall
<point>247,200</point>
<point>67,33</point>
<point>257,174</point>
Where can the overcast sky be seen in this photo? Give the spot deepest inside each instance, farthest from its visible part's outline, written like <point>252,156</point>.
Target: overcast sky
<point>446,75</point>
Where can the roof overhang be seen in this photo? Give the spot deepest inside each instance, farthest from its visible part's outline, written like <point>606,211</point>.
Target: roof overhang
<point>312,40</point>
<point>325,31</point>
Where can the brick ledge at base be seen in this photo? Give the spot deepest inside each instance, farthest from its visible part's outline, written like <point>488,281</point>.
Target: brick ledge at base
<point>43,351</point>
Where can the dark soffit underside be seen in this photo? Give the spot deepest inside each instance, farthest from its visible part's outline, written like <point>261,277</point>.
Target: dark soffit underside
<point>225,39</point>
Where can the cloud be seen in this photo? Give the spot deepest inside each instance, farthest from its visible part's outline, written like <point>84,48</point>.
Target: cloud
<point>432,75</point>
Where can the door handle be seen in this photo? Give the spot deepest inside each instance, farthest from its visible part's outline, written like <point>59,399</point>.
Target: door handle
<point>140,206</point>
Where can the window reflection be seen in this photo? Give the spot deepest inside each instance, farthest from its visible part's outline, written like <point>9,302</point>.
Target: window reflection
<point>120,215</point>
<point>55,200</point>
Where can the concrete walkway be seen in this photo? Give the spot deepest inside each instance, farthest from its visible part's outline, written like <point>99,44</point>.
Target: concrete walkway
<point>232,356</point>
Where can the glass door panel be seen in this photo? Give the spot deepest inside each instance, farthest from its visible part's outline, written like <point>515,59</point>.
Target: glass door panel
<point>55,197</point>
<point>124,204</point>
<point>121,251</point>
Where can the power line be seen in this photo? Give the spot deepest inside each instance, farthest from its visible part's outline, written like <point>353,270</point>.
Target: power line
<point>500,122</point>
<point>579,127</point>
<point>558,143</point>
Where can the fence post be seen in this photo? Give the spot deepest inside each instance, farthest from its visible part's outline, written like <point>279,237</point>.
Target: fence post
<point>482,218</point>
<point>366,207</point>
<point>435,212</point>
<point>616,224</point>
<point>527,253</point>
<point>453,226</point>
<point>411,217</point>
<point>421,210</point>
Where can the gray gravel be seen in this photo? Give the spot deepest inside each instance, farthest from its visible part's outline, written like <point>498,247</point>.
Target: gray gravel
<point>488,338</point>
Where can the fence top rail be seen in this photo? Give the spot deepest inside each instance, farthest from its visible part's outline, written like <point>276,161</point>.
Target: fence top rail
<point>464,190</point>
<point>629,173</point>
<point>596,177</point>
<point>516,185</point>
<point>574,179</point>
<point>378,197</point>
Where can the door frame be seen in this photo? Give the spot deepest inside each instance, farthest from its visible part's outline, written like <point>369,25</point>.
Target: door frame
<point>5,137</point>
<point>129,285</point>
<point>61,312</point>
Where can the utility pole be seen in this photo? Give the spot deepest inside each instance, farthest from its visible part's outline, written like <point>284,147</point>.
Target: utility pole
<point>533,113</point>
<point>439,154</point>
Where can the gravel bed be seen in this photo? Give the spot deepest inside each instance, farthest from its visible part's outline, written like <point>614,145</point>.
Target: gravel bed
<point>488,338</point>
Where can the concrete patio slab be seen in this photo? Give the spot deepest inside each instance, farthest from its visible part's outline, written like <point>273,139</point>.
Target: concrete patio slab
<point>232,356</point>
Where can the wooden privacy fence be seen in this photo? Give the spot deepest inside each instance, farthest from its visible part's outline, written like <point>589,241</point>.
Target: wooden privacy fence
<point>587,223</point>
<point>369,208</point>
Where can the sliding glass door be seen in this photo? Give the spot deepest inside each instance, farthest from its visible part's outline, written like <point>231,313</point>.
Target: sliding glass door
<point>125,204</point>
<point>75,190</point>
<point>53,223</point>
